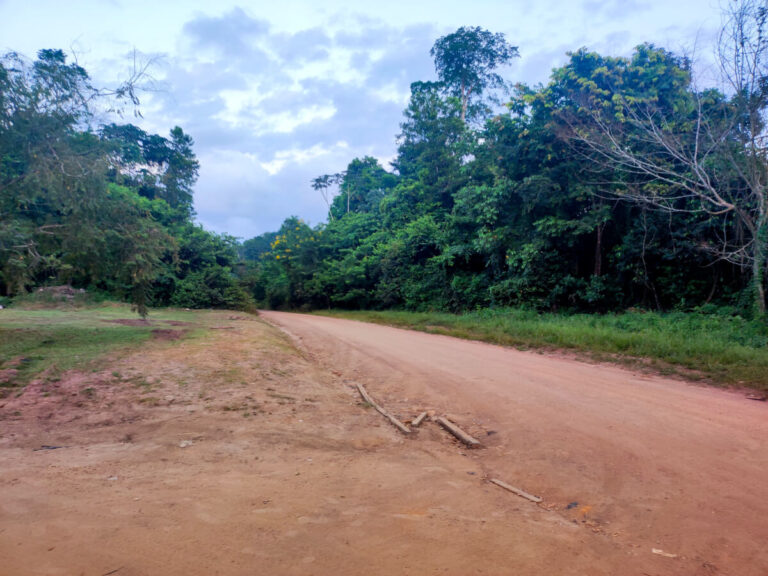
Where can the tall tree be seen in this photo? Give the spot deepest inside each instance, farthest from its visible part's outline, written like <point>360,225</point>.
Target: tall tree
<point>181,172</point>
<point>158,167</point>
<point>432,143</point>
<point>466,62</point>
<point>324,184</point>
<point>363,184</point>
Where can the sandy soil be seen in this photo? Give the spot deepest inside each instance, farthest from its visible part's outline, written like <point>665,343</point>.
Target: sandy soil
<point>237,453</point>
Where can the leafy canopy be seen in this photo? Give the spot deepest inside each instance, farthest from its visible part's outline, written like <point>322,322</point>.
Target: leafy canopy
<point>466,62</point>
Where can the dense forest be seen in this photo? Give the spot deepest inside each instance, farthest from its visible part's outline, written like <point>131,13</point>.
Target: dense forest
<point>620,183</point>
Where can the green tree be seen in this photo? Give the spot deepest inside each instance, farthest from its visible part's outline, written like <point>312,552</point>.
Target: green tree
<point>363,185</point>
<point>58,220</point>
<point>431,146</point>
<point>181,172</point>
<point>108,208</point>
<point>324,184</point>
<point>466,62</point>
<point>346,271</point>
<point>677,149</point>
<point>254,248</point>
<point>157,167</point>
<point>203,275</point>
<point>294,252</point>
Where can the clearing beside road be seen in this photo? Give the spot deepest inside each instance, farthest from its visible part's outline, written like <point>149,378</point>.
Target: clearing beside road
<point>226,449</point>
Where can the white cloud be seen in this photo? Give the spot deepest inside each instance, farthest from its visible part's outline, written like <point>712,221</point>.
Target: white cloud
<point>299,156</point>
<point>289,121</point>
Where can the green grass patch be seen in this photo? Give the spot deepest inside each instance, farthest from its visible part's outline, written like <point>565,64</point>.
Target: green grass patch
<point>721,348</point>
<point>52,341</point>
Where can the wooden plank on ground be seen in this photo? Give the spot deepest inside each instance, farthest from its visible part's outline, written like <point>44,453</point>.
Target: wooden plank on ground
<point>458,432</point>
<point>418,420</point>
<point>367,397</point>
<point>521,493</point>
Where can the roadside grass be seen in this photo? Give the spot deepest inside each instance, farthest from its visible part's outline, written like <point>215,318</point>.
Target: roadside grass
<point>719,348</point>
<point>35,342</point>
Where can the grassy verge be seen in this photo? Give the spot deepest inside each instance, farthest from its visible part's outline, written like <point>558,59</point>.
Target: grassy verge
<point>720,348</point>
<point>51,341</point>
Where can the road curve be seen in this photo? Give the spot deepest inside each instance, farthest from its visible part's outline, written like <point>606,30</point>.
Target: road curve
<point>648,461</point>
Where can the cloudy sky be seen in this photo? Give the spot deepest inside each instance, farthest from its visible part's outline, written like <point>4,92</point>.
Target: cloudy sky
<point>278,92</point>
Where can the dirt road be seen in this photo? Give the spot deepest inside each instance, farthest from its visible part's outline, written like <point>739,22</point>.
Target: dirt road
<point>227,450</point>
<point>642,463</point>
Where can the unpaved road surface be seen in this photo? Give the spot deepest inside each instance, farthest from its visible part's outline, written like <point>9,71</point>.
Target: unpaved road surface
<point>235,449</point>
<point>640,463</point>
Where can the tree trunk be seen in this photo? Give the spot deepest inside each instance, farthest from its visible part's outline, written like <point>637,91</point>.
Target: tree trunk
<point>759,263</point>
<point>599,251</point>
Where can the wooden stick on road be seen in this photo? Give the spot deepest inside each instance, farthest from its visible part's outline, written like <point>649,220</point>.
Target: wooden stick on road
<point>399,425</point>
<point>418,420</point>
<point>458,432</point>
<point>521,493</point>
